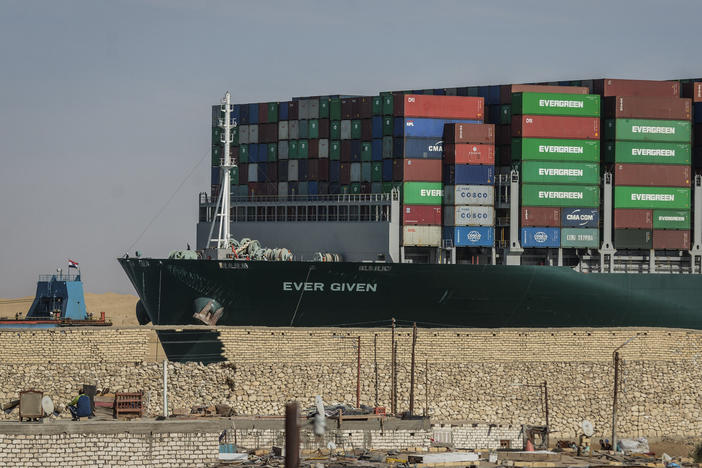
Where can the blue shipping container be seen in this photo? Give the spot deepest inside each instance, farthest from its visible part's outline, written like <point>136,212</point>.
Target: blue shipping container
<point>377,126</point>
<point>283,111</point>
<point>334,189</point>
<point>377,149</point>
<point>387,170</point>
<point>580,217</point>
<point>253,153</point>
<point>262,175</point>
<point>355,150</point>
<point>244,114</point>
<point>469,174</point>
<point>214,180</point>
<point>697,115</point>
<point>469,236</point>
<point>398,128</point>
<point>493,96</point>
<point>253,113</point>
<point>334,168</point>
<point>422,148</point>
<point>302,129</point>
<point>235,115</point>
<point>313,187</point>
<point>429,128</point>
<point>541,237</point>
<point>302,170</point>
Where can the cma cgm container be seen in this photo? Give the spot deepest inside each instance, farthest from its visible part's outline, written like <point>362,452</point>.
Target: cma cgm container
<point>440,107</point>
<point>469,195</point>
<point>464,215</point>
<point>652,197</point>
<point>577,105</point>
<point>548,149</point>
<point>580,217</point>
<point>422,193</point>
<point>616,87</point>
<point>419,148</point>
<point>464,153</point>
<point>541,216</point>
<point>560,195</point>
<point>541,237</point>
<point>421,236</point>
<point>638,107</point>
<point>469,133</point>
<point>647,152</point>
<point>473,236</point>
<point>421,215</point>
<point>549,126</point>
<point>653,175</point>
<point>467,174</point>
<point>648,130</point>
<point>556,172</point>
<point>633,219</point>
<point>580,237</point>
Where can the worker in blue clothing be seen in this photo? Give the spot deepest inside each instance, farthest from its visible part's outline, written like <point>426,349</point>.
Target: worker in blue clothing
<point>80,407</point>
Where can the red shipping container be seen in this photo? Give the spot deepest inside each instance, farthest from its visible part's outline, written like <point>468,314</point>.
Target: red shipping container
<point>464,153</point>
<point>366,129</point>
<point>549,126</point>
<point>323,171</point>
<point>345,173</point>
<point>313,169</point>
<point>541,216</point>
<point>612,87</point>
<point>347,108</point>
<point>633,219</point>
<point>397,169</point>
<point>637,107</point>
<point>440,107</point>
<point>292,110</point>
<point>243,174</point>
<point>365,187</point>
<point>469,133</point>
<point>263,112</point>
<point>506,91</point>
<point>652,175</point>
<point>346,150</point>
<point>313,148</point>
<point>693,91</point>
<point>421,215</point>
<point>365,107</point>
<point>272,171</point>
<point>671,239</point>
<point>323,128</point>
<point>421,170</point>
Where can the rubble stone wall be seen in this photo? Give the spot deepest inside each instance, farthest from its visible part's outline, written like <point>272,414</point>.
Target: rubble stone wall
<point>461,374</point>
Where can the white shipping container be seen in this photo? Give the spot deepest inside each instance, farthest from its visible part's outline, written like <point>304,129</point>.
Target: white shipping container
<point>469,215</point>
<point>243,134</point>
<point>421,236</point>
<point>355,172</point>
<point>303,109</point>
<point>282,150</point>
<point>253,172</point>
<point>345,129</point>
<point>283,130</point>
<point>323,148</point>
<point>292,170</point>
<point>469,195</point>
<point>293,130</point>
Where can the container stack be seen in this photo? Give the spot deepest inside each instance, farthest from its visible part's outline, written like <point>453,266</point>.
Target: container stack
<point>469,204</point>
<point>648,134</point>
<point>418,131</point>
<point>556,141</point>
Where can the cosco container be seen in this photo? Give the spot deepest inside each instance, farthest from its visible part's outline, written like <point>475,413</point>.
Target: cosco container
<point>633,219</point>
<point>580,217</point>
<point>549,126</point>
<point>429,128</point>
<point>470,133</point>
<point>506,91</point>
<point>541,216</point>
<point>422,193</point>
<point>641,152</point>
<point>418,148</point>
<point>546,149</point>
<point>615,87</point>
<point>667,219</point>
<point>421,215</point>
<point>671,240</point>
<point>541,237</point>
<point>469,216</point>
<point>578,105</point>
<point>557,172</point>
<point>580,238</point>
<point>468,174</point>
<point>440,107</point>
<point>587,196</point>
<point>474,236</point>
<point>679,131</point>
<point>421,236</point>
<point>640,107</point>
<point>653,175</point>
<point>469,195</point>
<point>464,153</point>
<point>422,170</point>
<point>652,197</point>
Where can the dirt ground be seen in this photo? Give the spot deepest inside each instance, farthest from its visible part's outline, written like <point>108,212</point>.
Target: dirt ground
<point>119,308</point>
<point>673,448</point>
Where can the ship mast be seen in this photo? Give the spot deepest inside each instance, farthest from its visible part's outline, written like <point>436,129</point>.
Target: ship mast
<point>226,164</point>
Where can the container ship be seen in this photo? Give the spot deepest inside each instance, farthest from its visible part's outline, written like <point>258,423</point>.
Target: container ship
<point>566,204</point>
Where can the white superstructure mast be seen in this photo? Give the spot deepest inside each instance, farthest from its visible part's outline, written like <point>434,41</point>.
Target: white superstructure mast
<point>226,164</point>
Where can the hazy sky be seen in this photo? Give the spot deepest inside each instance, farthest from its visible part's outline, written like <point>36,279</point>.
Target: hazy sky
<point>105,105</point>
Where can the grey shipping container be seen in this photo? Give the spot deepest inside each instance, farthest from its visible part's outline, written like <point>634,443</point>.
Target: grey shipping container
<point>303,111</point>
<point>345,129</point>
<point>282,189</point>
<point>283,130</point>
<point>323,148</point>
<point>293,170</point>
<point>313,109</point>
<point>253,172</point>
<point>282,150</point>
<point>293,130</point>
<point>243,134</point>
<point>253,133</point>
<point>365,172</point>
<point>387,147</point>
<point>355,172</point>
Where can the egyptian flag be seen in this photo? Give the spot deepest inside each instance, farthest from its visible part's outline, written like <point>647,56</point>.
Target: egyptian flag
<point>72,264</point>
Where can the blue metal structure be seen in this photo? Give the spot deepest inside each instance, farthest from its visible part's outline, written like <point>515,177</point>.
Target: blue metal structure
<point>58,294</point>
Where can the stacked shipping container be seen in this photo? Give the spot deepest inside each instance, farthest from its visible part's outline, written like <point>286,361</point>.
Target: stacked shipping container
<point>693,90</point>
<point>469,196</point>
<point>648,132</point>
<point>557,142</point>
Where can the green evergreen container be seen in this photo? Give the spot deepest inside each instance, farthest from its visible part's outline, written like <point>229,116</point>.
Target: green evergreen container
<point>334,150</point>
<point>272,111</point>
<point>587,196</point>
<point>573,105</point>
<point>344,189</point>
<point>272,152</point>
<point>234,176</point>
<point>355,129</point>
<point>243,153</point>
<point>216,155</point>
<point>647,152</point>
<point>366,171</point>
<point>324,108</point>
<point>387,187</point>
<point>355,188</point>
<point>366,154</point>
<point>377,106</point>
<point>313,131</point>
<point>422,193</point>
<point>652,197</point>
<point>335,109</point>
<point>679,131</point>
<point>553,149</point>
<point>388,103</point>
<point>335,130</point>
<point>217,133</point>
<point>388,126</point>
<point>293,149</point>
<point>668,219</point>
<point>376,171</point>
<point>302,149</point>
<point>505,114</point>
<point>559,172</point>
<point>580,238</point>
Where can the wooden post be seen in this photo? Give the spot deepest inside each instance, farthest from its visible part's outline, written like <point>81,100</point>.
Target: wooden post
<point>614,402</point>
<point>426,388</point>
<point>392,369</point>
<point>414,344</point>
<point>375,365</point>
<point>358,375</point>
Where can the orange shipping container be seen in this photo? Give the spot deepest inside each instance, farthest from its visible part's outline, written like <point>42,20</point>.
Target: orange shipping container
<point>469,133</point>
<point>636,88</point>
<point>422,170</point>
<point>440,107</point>
<point>464,153</point>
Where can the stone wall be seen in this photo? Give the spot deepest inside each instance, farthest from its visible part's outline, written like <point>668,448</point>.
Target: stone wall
<point>461,374</point>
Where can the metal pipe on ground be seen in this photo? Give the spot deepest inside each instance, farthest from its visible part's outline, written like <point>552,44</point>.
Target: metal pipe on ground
<point>292,436</point>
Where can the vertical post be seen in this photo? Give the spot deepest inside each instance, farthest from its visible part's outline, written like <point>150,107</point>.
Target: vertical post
<point>358,375</point>
<point>393,349</point>
<point>414,344</point>
<point>546,402</point>
<point>426,388</point>
<point>292,436</point>
<point>614,402</point>
<point>165,388</point>
<point>375,365</point>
